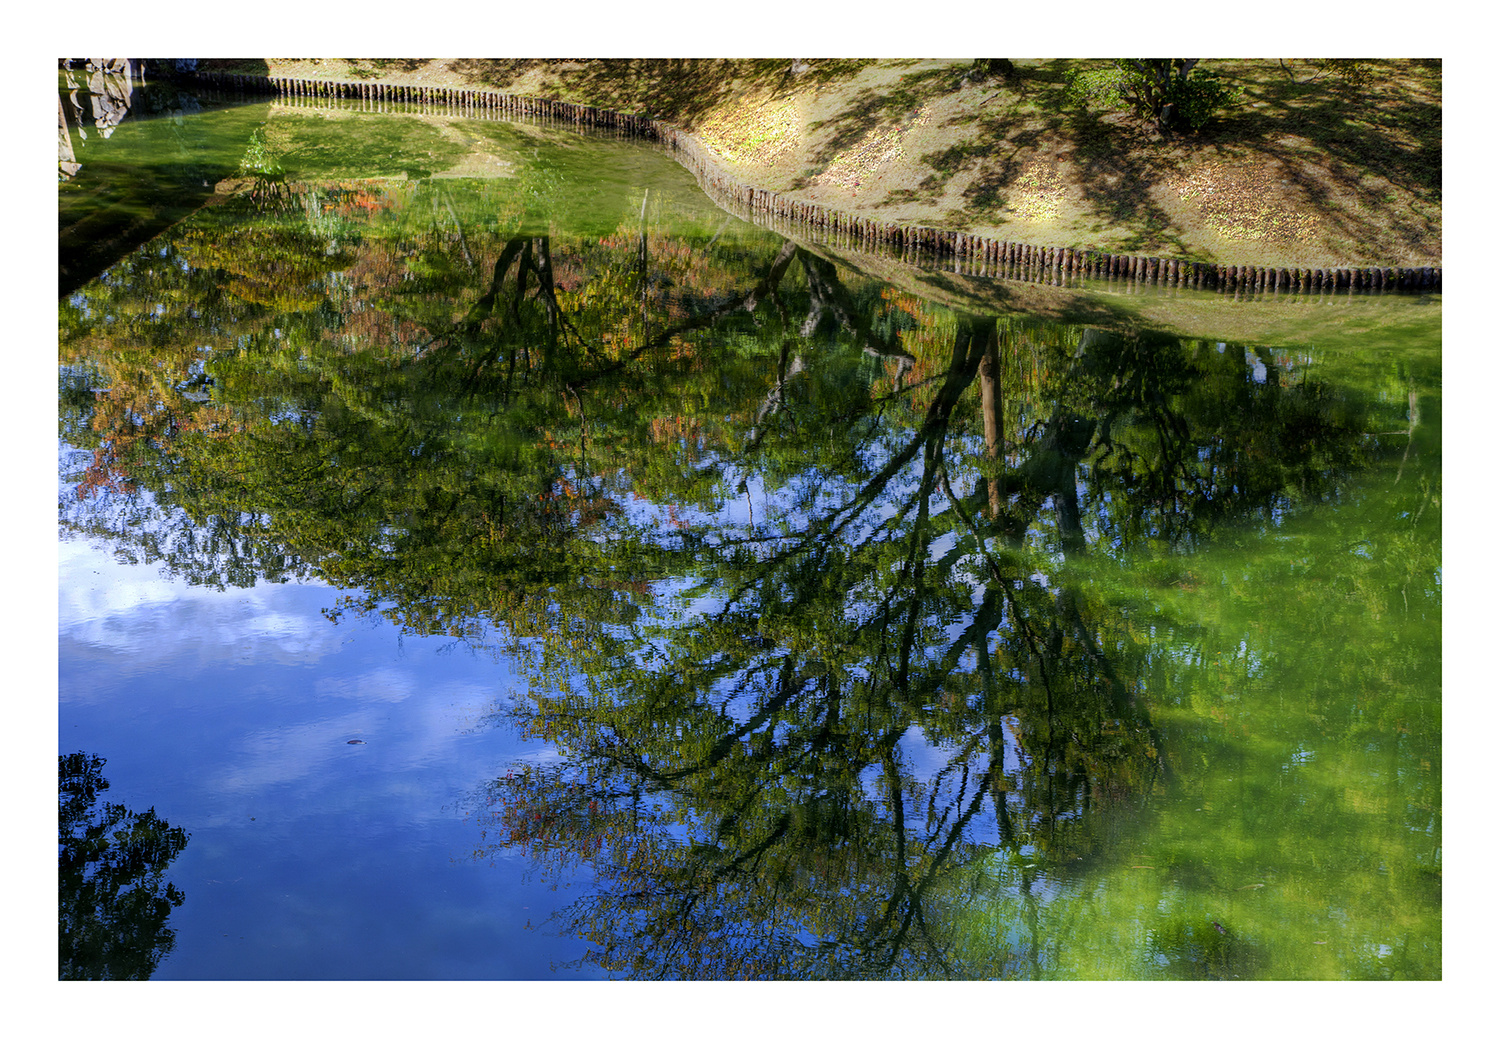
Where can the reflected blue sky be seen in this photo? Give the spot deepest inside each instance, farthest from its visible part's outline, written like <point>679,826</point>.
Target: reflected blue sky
<point>310,857</point>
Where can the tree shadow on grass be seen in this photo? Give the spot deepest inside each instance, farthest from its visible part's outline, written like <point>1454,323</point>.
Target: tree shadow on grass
<point>1006,129</point>
<point>875,109</point>
<point>1026,116</point>
<point>1369,139</point>
<point>1117,163</point>
<point>235,66</point>
<point>1031,118</point>
<point>1358,125</point>
<point>679,90</point>
<point>374,68</point>
<point>1363,140</point>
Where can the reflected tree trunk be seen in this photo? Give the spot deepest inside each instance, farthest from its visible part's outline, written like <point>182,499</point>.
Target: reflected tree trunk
<point>67,164</point>
<point>829,298</point>
<point>992,405</point>
<point>776,398</point>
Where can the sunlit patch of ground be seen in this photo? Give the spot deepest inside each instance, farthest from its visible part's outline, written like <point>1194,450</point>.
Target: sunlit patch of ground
<point>1246,202</point>
<point>877,152</point>
<point>764,130</point>
<point>1038,193</point>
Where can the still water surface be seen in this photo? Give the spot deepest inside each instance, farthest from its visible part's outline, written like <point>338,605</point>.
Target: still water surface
<point>490,560</point>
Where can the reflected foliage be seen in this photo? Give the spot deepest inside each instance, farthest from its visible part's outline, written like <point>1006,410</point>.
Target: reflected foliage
<point>113,897</point>
<point>879,638</point>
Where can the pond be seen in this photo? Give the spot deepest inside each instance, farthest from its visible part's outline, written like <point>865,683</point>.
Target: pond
<point>482,557</point>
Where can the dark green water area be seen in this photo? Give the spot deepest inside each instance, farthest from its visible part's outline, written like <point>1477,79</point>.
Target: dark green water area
<point>482,557</point>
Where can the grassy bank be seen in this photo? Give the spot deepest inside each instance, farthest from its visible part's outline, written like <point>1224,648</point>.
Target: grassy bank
<point>1313,168</point>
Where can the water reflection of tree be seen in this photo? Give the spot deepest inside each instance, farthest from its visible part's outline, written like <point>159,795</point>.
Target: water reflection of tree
<point>800,765</point>
<point>512,361</point>
<point>113,898</point>
<point>778,732</point>
<point>790,832</point>
<point>779,821</point>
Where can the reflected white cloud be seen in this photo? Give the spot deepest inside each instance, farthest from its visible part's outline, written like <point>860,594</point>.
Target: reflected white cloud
<point>105,606</point>
<point>386,684</point>
<point>298,754</point>
<point>416,753</point>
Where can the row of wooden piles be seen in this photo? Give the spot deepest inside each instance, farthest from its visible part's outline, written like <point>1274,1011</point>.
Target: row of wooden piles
<point>446,97</point>
<point>985,256</point>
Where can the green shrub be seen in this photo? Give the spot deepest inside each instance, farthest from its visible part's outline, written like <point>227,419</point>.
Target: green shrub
<point>1172,92</point>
